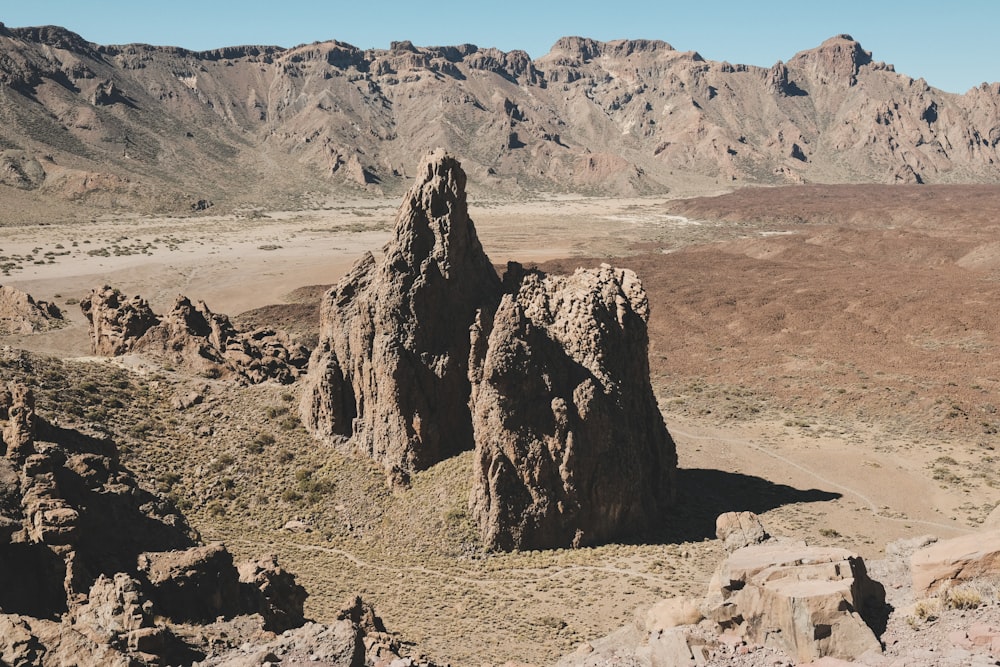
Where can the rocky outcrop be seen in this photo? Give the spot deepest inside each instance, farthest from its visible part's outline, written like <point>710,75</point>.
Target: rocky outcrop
<point>116,322</point>
<point>21,314</point>
<point>94,570</point>
<point>391,368</point>
<point>190,336</point>
<point>739,529</point>
<point>945,563</point>
<point>783,602</point>
<point>809,601</point>
<point>551,386</point>
<point>570,445</point>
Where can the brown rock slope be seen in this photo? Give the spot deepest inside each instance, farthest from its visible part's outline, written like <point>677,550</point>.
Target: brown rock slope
<point>552,389</point>
<point>163,128</point>
<point>192,336</point>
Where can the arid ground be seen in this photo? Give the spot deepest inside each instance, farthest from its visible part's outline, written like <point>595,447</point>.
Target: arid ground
<point>823,356</point>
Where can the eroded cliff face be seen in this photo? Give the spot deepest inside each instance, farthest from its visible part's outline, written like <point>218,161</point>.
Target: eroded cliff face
<point>423,354</point>
<point>161,128</point>
<point>391,368</point>
<point>570,445</point>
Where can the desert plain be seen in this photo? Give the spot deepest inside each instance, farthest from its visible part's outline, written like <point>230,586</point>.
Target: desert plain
<point>824,356</point>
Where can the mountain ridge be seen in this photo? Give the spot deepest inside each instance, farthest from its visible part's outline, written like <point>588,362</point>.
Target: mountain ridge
<point>143,128</point>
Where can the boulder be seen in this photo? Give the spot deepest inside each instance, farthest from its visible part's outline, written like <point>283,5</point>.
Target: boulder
<point>198,584</point>
<point>670,613</point>
<point>571,448</point>
<point>271,591</point>
<point>391,368</point>
<point>810,602</point>
<point>937,566</point>
<point>739,529</point>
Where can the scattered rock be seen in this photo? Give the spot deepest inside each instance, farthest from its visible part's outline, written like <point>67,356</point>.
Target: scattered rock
<point>190,336</point>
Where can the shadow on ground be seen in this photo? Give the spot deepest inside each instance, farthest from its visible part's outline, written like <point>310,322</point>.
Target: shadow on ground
<point>702,495</point>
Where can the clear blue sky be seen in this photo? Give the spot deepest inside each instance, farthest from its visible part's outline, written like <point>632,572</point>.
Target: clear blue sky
<point>954,46</point>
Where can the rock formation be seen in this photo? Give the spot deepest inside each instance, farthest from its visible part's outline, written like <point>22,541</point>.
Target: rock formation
<point>551,386</point>
<point>570,445</point>
<point>811,602</point>
<point>946,563</point>
<point>190,336</point>
<point>391,367</point>
<point>782,600</point>
<point>95,570</point>
<point>21,314</point>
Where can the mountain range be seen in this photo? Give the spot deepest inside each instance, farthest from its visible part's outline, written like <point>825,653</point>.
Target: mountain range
<point>86,128</point>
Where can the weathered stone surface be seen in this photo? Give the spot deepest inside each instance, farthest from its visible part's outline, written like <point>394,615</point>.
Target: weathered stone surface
<point>198,584</point>
<point>95,571</point>
<point>391,368</point>
<point>116,321</point>
<point>21,314</point>
<point>670,613</point>
<point>17,408</point>
<point>938,566</point>
<point>552,386</point>
<point>810,602</point>
<point>271,591</point>
<point>739,529</point>
<point>114,608</point>
<point>191,336</point>
<point>571,448</point>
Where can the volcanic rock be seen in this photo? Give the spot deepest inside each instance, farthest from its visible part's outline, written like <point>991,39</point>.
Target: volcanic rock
<point>391,367</point>
<point>272,592</point>
<point>195,585</point>
<point>96,570</point>
<point>739,529</point>
<point>20,313</point>
<point>116,322</point>
<point>551,386</point>
<point>190,336</point>
<point>570,445</point>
